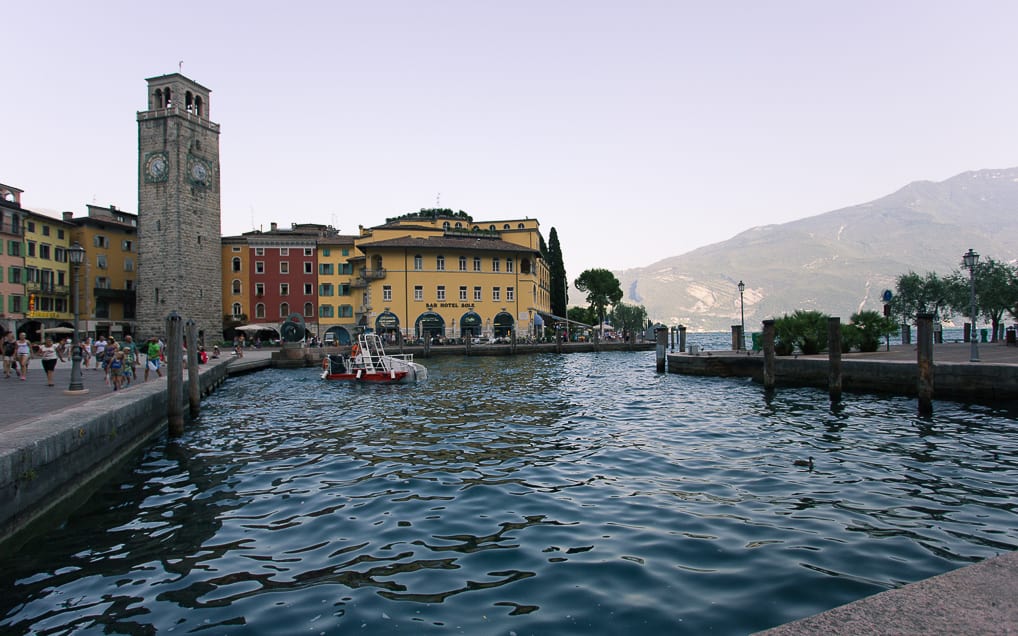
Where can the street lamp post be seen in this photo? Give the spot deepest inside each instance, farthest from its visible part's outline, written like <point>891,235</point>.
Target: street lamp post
<point>742,313</point>
<point>970,260</point>
<point>76,254</point>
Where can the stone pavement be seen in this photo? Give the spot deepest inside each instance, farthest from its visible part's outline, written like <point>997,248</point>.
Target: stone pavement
<point>25,400</point>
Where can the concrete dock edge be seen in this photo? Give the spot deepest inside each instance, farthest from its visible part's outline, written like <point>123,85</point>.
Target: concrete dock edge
<point>976,599</point>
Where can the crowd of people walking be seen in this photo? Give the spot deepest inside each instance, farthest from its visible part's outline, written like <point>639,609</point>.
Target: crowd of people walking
<point>118,360</point>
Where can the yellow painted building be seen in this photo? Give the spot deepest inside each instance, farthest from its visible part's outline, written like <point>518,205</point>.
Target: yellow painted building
<point>236,279</point>
<point>336,306</point>
<point>46,274</point>
<point>107,304</point>
<point>449,277</point>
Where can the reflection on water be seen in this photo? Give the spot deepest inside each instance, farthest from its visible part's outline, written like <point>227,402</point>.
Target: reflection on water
<point>538,494</point>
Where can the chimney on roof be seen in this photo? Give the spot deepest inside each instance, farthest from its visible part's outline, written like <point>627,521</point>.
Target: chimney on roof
<point>273,226</point>
<point>113,208</point>
<point>67,215</point>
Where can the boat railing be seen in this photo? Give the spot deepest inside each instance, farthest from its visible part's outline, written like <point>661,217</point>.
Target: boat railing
<point>374,358</point>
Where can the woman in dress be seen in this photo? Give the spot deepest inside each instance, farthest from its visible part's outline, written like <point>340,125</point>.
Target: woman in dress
<point>23,351</point>
<point>49,354</point>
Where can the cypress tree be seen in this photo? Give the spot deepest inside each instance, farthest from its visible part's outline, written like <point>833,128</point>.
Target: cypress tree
<point>557,272</point>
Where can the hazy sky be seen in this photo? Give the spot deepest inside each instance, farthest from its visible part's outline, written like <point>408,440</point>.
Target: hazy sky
<point>640,130</point>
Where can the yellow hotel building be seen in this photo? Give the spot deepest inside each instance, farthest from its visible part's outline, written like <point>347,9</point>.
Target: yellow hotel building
<point>451,277</point>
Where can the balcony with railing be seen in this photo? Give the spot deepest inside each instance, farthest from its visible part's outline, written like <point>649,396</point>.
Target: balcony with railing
<point>365,276</point>
<point>117,295</point>
<point>48,289</point>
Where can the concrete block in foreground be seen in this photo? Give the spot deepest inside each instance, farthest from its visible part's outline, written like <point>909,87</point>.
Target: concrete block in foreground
<point>977,599</point>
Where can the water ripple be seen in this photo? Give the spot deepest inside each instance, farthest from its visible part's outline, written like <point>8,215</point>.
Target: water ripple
<point>538,494</point>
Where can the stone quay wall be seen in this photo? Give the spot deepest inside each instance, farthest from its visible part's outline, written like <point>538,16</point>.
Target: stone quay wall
<point>951,380</point>
<point>61,455</point>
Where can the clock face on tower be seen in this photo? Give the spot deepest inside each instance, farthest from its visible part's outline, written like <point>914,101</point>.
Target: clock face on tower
<point>198,171</point>
<point>157,167</point>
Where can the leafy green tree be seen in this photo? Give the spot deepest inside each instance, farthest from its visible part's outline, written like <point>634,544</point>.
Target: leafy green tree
<point>557,276</point>
<point>629,318</point>
<point>602,289</point>
<point>920,294</point>
<point>582,315</point>
<point>996,292</point>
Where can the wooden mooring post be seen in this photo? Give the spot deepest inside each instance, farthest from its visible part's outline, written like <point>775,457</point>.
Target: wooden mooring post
<point>924,354</point>
<point>768,351</point>
<point>682,338</point>
<point>661,334</point>
<point>834,355</point>
<point>174,374</point>
<point>193,383</point>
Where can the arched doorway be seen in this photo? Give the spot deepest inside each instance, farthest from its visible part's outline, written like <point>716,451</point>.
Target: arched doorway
<point>471,325</point>
<point>429,325</point>
<point>337,336</point>
<point>387,326</point>
<point>32,329</point>
<point>503,324</point>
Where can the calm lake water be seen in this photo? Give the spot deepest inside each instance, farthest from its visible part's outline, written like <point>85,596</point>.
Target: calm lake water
<point>544,494</point>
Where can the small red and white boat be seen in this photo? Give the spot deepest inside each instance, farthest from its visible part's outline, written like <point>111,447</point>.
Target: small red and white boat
<point>369,363</point>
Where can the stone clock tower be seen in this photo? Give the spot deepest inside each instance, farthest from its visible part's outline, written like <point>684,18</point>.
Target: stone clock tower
<point>179,260</point>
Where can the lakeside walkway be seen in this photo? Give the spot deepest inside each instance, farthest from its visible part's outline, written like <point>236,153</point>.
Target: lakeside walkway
<point>976,599</point>
<point>32,398</point>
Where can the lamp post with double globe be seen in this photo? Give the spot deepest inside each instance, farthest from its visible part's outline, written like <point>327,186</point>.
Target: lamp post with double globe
<point>742,313</point>
<point>76,254</point>
<point>970,259</point>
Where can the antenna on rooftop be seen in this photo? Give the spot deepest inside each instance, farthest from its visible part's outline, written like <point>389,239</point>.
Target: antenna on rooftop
<point>180,66</point>
<point>438,200</point>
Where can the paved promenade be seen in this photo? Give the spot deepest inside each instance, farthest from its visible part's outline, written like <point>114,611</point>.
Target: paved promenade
<point>31,398</point>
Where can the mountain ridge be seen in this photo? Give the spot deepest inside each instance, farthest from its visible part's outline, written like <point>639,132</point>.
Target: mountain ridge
<point>839,261</point>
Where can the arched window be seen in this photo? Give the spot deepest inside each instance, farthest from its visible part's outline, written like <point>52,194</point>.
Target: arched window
<point>260,310</point>
<point>236,287</point>
<point>284,310</point>
<point>309,310</point>
<point>236,263</point>
<point>189,102</point>
<point>158,101</point>
<point>237,309</point>
<point>199,106</point>
<point>520,226</point>
<point>505,227</point>
<point>491,228</point>
<point>445,226</point>
<point>167,99</point>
